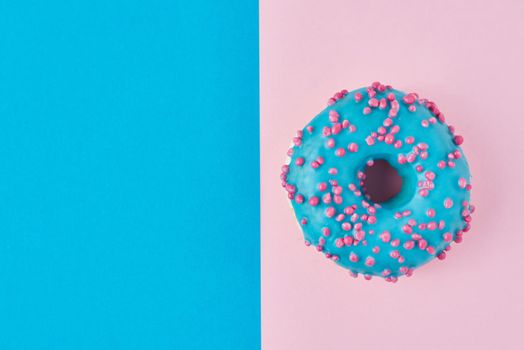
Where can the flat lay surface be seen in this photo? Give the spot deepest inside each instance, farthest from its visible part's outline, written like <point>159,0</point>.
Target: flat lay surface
<point>467,60</point>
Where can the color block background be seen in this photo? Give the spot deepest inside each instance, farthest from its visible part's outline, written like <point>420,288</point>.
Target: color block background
<point>466,56</point>
<point>129,211</point>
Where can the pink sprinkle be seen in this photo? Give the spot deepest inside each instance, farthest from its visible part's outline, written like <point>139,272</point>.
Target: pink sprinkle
<point>370,141</point>
<point>401,159</point>
<point>330,212</point>
<point>340,217</point>
<point>299,198</point>
<point>303,221</point>
<point>336,129</point>
<point>430,250</point>
<point>376,249</point>
<point>315,164</point>
<point>333,116</point>
<point>339,242</point>
<point>408,245</point>
<point>313,201</point>
<point>346,226</point>
<point>412,108</point>
<point>422,244</point>
<point>448,237</point>
<point>348,240</point>
<point>359,235</point>
<point>349,210</point>
<point>462,182</point>
<point>395,129</point>
<point>394,254</point>
<point>430,213</point>
<point>370,261</point>
<point>448,203</point>
<point>372,220</point>
<point>423,192</point>
<point>353,257</point>
<point>326,231</point>
<point>330,143</point>
<point>383,103</point>
<point>340,152</point>
<point>389,139</point>
<point>409,99</point>
<point>385,236</point>
<point>353,147</point>
<point>410,140</point>
<point>430,175</point>
<point>407,229</point>
<point>366,110</point>
<point>373,102</point>
<point>299,161</point>
<point>358,97</point>
<point>458,140</point>
<point>390,96</point>
<point>441,164</point>
<point>352,128</point>
<point>432,225</point>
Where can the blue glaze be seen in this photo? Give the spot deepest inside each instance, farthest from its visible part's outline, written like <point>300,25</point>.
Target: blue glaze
<point>446,184</point>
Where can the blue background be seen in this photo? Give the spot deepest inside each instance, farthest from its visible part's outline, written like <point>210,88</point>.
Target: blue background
<point>129,175</point>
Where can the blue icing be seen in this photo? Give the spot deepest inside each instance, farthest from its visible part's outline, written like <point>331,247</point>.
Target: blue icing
<point>439,141</point>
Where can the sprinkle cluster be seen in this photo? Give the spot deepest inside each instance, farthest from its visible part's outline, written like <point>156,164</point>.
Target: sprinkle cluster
<point>324,179</point>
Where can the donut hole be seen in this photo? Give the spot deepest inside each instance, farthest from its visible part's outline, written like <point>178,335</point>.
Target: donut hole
<point>382,182</point>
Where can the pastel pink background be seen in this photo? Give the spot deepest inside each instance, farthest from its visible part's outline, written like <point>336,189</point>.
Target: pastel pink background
<point>469,58</point>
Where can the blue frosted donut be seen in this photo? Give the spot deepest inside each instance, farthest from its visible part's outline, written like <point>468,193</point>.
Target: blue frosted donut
<point>325,180</point>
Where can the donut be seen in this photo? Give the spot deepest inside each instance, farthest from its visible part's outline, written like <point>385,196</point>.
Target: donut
<point>327,172</point>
